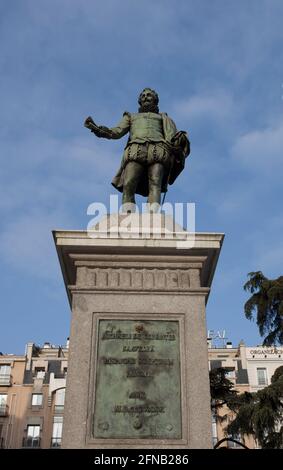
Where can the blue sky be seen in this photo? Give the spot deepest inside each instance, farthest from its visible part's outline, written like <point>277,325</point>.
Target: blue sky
<point>217,66</point>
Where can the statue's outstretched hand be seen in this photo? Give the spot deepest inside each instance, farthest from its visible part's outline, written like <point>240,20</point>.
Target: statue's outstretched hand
<point>89,122</point>
<point>99,131</point>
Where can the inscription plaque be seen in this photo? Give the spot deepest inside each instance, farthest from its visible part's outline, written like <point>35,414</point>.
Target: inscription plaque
<point>138,389</point>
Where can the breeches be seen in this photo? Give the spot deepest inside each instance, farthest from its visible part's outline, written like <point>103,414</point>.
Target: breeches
<point>147,154</point>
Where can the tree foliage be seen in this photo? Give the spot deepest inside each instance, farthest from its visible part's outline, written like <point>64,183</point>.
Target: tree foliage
<point>266,302</point>
<point>260,414</point>
<point>221,389</point>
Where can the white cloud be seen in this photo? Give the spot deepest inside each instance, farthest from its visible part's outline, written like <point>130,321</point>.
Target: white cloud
<point>261,150</point>
<point>267,245</point>
<point>43,171</point>
<point>217,105</point>
<point>235,199</point>
<point>26,243</point>
<point>48,183</point>
<point>255,159</point>
<point>269,257</point>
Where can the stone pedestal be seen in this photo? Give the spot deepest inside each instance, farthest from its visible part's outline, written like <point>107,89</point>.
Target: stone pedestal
<point>138,366</point>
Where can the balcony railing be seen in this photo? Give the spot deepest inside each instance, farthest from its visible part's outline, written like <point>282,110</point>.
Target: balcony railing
<point>56,442</point>
<point>4,410</point>
<point>59,409</point>
<point>5,379</point>
<point>31,442</point>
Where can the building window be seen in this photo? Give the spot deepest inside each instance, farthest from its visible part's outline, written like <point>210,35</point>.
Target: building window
<point>3,404</point>
<point>59,400</point>
<point>214,430</point>
<point>230,373</point>
<point>37,399</point>
<point>33,436</point>
<point>5,374</point>
<point>232,444</point>
<point>39,372</point>
<point>215,364</point>
<point>5,369</point>
<point>57,431</point>
<point>261,376</point>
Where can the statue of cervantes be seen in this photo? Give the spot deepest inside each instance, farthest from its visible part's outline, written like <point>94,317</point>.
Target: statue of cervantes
<point>155,152</point>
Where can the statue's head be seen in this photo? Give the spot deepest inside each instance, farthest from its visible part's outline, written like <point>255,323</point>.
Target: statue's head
<point>148,101</point>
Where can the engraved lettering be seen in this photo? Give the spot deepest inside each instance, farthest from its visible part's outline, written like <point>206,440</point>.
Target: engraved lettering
<point>266,351</point>
<point>114,360</point>
<point>137,372</point>
<point>138,336</point>
<point>138,349</point>
<point>139,395</point>
<point>148,361</point>
<point>137,409</point>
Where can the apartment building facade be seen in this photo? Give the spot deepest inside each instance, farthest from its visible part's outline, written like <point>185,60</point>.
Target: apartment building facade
<point>32,392</point>
<point>249,369</point>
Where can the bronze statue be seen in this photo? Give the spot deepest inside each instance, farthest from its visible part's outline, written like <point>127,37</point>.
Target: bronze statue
<point>155,152</point>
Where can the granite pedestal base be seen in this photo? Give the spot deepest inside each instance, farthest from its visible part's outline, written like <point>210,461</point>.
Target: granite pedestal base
<point>138,366</point>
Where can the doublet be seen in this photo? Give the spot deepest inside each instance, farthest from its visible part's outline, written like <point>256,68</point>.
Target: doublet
<point>146,144</point>
<point>146,127</point>
<point>149,142</point>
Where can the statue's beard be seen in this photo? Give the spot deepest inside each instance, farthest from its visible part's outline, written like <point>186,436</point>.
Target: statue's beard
<point>149,108</point>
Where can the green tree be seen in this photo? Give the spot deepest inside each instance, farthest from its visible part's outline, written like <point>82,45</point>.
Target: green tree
<point>222,393</point>
<point>260,414</point>
<point>221,389</point>
<point>266,302</point>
